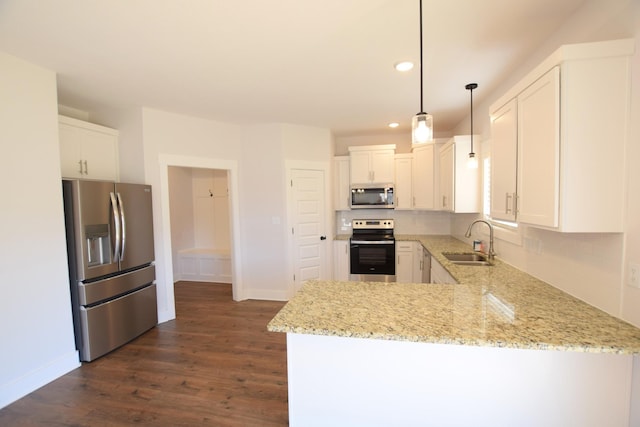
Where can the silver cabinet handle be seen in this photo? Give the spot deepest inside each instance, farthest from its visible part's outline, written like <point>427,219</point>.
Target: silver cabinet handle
<point>516,203</point>
<point>506,203</point>
<point>116,221</point>
<point>124,227</point>
<point>86,169</point>
<point>80,165</point>
<point>372,242</point>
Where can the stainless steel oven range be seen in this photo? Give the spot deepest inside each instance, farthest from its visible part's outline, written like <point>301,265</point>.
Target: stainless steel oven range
<point>373,251</point>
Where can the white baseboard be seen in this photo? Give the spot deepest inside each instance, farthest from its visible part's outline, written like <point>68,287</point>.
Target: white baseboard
<point>266,294</point>
<point>33,380</point>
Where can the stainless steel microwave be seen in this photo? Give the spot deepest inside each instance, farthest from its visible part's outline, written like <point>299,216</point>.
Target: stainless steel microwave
<point>374,196</point>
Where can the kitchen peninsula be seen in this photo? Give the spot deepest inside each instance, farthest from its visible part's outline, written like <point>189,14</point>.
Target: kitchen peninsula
<point>498,348</point>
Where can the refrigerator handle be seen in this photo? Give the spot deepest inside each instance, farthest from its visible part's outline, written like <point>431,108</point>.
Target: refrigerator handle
<point>116,220</point>
<point>123,227</point>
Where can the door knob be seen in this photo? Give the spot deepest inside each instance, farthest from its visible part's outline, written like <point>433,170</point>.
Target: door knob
<point>323,237</point>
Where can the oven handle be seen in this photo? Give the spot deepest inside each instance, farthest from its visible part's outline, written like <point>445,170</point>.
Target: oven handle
<point>373,242</point>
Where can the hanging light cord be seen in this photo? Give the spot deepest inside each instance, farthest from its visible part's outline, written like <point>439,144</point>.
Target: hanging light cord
<point>470,87</point>
<point>421,96</point>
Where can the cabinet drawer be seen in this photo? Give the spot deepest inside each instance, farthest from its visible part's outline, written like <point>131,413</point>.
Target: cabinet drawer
<point>404,246</point>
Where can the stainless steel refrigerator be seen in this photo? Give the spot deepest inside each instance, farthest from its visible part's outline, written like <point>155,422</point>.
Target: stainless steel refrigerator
<point>111,272</point>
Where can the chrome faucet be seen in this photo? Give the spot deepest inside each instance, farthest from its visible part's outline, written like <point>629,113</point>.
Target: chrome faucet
<point>491,253</point>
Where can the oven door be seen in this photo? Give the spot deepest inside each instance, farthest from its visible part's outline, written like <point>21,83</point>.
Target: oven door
<point>373,260</point>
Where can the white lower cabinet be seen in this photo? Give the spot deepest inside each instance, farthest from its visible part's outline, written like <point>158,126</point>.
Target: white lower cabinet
<point>341,264</point>
<point>439,274</point>
<point>404,262</point>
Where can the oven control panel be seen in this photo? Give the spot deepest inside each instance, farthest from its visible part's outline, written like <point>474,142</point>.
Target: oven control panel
<point>373,223</point>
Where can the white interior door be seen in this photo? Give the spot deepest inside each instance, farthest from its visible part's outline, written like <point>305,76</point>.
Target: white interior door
<point>308,225</point>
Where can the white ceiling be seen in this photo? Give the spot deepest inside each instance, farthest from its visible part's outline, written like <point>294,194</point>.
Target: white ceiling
<point>325,63</point>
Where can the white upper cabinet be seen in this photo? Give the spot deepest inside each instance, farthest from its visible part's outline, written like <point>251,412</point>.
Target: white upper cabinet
<point>87,150</point>
<point>504,143</point>
<point>572,116</point>
<point>539,151</point>
<point>342,190</point>
<point>372,164</point>
<point>458,183</point>
<point>447,160</point>
<point>403,185</point>
<point>423,177</point>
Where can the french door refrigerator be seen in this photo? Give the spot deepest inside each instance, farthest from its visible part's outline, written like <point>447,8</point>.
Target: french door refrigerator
<point>111,272</point>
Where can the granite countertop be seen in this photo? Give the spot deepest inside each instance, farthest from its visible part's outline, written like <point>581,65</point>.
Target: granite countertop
<point>496,306</point>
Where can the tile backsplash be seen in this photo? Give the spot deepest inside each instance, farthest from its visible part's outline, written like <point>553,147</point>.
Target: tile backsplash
<point>406,222</point>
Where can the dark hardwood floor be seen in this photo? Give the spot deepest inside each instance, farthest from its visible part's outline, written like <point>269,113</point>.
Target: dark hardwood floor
<point>215,364</point>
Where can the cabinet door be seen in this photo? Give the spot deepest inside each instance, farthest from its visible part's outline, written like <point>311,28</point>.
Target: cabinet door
<point>504,143</point>
<point>423,177</point>
<point>382,166</point>
<point>404,262</point>
<point>359,164</point>
<point>87,150</point>
<point>439,274</point>
<point>403,188</point>
<point>418,253</point>
<point>70,152</point>
<point>447,170</point>
<point>341,260</point>
<point>342,191</point>
<point>99,151</point>
<point>539,151</point>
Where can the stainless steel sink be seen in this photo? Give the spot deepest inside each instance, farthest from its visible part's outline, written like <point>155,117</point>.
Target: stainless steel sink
<point>467,258</point>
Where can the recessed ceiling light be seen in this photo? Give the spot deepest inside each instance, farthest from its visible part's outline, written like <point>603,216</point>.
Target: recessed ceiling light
<point>394,125</point>
<point>404,66</point>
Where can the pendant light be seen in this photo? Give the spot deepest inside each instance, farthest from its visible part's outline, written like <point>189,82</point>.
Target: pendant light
<point>422,123</point>
<point>472,162</point>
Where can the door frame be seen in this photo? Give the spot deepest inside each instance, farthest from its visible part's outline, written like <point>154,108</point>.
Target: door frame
<point>231,166</point>
<point>325,167</point>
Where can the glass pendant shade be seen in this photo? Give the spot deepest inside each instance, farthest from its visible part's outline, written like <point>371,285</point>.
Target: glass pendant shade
<point>472,161</point>
<point>422,128</point>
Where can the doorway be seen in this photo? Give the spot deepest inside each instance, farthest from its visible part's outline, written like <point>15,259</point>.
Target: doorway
<point>203,167</point>
<point>200,224</point>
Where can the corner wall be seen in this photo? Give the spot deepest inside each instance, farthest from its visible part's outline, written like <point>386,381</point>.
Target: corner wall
<point>35,304</point>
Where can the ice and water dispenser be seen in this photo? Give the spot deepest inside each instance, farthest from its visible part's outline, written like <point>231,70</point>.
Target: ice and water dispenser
<point>98,244</point>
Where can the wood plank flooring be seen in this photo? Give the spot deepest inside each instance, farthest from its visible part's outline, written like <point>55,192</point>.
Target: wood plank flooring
<point>215,364</point>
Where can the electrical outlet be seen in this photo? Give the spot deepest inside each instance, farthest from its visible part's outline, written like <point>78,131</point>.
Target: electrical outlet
<point>634,275</point>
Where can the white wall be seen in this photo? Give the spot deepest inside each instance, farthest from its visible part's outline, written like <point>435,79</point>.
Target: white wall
<point>35,308</point>
<point>210,209</point>
<point>589,266</point>
<point>181,211</point>
<point>260,152</point>
<point>130,148</point>
<point>169,134</point>
<point>401,139</point>
<point>631,296</point>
